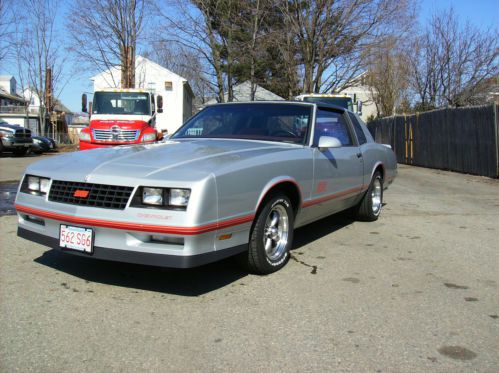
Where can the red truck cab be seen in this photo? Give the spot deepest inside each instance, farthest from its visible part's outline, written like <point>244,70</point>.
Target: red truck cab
<point>121,117</point>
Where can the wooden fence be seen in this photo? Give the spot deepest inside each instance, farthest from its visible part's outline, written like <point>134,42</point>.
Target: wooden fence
<point>460,139</point>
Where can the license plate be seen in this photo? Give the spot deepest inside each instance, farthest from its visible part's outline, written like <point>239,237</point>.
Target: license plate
<point>76,238</point>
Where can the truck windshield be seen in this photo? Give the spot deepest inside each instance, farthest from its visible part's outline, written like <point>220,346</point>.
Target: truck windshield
<point>125,103</point>
<point>250,121</point>
<point>344,102</point>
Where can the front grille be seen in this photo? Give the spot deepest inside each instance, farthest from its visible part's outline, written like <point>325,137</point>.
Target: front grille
<point>100,195</point>
<point>116,135</point>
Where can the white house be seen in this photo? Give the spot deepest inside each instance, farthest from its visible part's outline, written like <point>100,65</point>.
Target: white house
<point>362,92</point>
<point>175,90</point>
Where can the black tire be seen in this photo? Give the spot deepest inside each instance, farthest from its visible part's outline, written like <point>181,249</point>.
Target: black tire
<point>369,208</point>
<point>266,229</point>
<point>20,152</point>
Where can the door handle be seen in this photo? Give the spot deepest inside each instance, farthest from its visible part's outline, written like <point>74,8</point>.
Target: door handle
<point>359,155</point>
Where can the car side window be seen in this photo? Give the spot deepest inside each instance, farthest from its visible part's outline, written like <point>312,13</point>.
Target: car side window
<point>358,129</point>
<point>332,123</point>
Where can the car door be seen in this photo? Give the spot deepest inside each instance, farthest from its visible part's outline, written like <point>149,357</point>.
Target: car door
<point>338,172</point>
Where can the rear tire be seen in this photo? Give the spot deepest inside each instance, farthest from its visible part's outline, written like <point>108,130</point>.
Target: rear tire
<point>370,206</point>
<point>271,237</point>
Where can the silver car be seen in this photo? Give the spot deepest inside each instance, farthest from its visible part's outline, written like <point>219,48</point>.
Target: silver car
<point>235,179</point>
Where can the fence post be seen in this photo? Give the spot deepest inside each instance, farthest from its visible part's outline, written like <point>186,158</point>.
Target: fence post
<point>496,130</point>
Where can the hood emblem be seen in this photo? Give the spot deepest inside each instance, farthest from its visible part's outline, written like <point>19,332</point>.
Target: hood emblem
<point>81,193</point>
<point>116,132</point>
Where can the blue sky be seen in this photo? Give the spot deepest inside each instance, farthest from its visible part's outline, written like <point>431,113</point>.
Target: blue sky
<point>482,13</point>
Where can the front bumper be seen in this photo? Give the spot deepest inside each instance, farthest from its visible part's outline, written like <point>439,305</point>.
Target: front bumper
<point>153,259</point>
<point>84,145</point>
<point>16,143</point>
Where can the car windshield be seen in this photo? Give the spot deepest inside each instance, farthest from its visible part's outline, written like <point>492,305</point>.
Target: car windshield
<point>263,121</point>
<point>344,102</point>
<point>125,103</point>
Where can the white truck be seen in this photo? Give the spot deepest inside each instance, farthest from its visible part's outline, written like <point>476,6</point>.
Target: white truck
<point>345,101</point>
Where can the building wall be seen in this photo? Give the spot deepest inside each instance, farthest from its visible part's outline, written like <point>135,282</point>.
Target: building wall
<point>363,94</point>
<point>9,84</point>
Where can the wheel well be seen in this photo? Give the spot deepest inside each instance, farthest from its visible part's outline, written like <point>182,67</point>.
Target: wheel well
<point>289,189</point>
<point>381,170</point>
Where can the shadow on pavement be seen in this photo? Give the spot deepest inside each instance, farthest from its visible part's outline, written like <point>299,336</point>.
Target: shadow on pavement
<point>185,282</point>
<point>312,232</point>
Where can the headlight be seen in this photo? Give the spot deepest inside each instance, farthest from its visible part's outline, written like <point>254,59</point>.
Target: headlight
<point>152,196</point>
<point>149,137</point>
<point>84,136</point>
<point>35,185</point>
<point>179,197</point>
<point>164,198</point>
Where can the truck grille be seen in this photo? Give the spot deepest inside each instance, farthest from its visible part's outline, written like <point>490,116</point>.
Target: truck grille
<point>22,134</point>
<point>100,195</point>
<point>115,135</point>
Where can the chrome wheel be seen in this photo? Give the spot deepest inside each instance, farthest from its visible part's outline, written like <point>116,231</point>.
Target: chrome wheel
<point>276,232</point>
<point>376,194</point>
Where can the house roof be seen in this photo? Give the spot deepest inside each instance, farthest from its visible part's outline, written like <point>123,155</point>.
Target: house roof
<point>242,93</point>
<point>139,60</point>
<point>5,94</point>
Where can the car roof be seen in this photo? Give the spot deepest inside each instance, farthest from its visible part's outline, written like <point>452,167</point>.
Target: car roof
<point>285,102</point>
<point>8,125</point>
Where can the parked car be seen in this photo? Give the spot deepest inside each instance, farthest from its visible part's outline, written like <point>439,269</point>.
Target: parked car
<point>42,144</point>
<point>235,179</point>
<point>15,139</point>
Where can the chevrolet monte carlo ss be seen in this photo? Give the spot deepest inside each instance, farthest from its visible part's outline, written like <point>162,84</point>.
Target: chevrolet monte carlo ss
<point>237,178</point>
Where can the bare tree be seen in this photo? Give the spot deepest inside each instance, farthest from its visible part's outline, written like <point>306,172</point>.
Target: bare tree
<point>388,75</point>
<point>331,36</point>
<point>105,34</point>
<point>194,24</point>
<point>7,27</point>
<point>184,62</point>
<point>451,61</point>
<point>38,53</point>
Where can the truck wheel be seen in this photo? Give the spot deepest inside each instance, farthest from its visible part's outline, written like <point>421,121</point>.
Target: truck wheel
<point>370,206</point>
<point>271,237</point>
<point>20,152</point>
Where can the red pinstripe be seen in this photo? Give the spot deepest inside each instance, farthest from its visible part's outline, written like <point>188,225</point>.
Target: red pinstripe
<point>189,231</point>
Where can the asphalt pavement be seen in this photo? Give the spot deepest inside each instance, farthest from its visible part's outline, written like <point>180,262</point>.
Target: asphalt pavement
<point>416,291</point>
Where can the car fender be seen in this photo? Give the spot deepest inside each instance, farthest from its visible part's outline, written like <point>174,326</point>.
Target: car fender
<point>274,183</point>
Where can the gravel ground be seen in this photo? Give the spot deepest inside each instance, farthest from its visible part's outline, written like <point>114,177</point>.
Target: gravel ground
<point>416,291</point>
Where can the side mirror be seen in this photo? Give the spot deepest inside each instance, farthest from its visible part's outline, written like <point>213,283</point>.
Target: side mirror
<point>159,101</point>
<point>359,107</point>
<point>84,103</point>
<point>327,142</point>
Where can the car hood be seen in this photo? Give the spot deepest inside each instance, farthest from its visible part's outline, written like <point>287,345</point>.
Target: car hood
<point>182,160</point>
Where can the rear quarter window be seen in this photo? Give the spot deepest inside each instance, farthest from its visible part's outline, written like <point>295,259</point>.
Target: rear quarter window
<point>358,129</point>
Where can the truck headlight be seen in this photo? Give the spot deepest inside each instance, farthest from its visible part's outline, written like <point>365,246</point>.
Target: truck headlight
<point>84,136</point>
<point>179,197</point>
<point>152,196</point>
<point>35,185</point>
<point>149,137</point>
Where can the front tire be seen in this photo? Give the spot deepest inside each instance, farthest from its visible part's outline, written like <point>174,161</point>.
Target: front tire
<point>271,237</point>
<point>369,208</point>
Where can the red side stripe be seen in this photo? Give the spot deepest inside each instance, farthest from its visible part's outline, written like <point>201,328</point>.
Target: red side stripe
<point>189,231</point>
<point>332,196</point>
